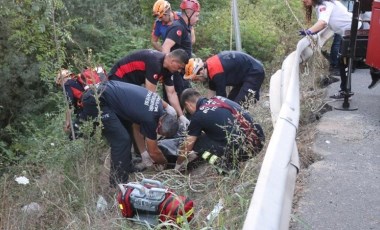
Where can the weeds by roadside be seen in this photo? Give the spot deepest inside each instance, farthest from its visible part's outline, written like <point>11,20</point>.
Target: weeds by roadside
<point>68,187</point>
<point>68,178</point>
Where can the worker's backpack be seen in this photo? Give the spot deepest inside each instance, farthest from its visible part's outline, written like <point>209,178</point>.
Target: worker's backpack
<point>253,132</point>
<point>88,77</point>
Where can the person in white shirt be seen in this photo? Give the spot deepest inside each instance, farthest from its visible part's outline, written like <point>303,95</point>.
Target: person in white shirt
<point>335,16</point>
<point>332,14</point>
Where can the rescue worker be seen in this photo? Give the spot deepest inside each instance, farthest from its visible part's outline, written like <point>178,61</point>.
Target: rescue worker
<point>228,68</point>
<point>178,36</point>
<point>164,18</point>
<point>228,130</point>
<point>334,15</point>
<point>122,105</point>
<point>74,86</point>
<point>148,67</point>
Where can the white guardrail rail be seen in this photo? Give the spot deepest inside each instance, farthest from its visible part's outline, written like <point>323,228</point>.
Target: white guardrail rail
<point>271,202</point>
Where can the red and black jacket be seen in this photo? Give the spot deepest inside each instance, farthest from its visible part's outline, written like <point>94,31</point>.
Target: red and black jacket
<point>233,68</point>
<point>139,66</point>
<point>74,90</point>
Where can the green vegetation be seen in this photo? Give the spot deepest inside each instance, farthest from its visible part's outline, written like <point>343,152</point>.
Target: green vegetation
<point>38,37</point>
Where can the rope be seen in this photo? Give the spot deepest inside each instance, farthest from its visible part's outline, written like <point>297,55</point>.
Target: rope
<point>312,42</point>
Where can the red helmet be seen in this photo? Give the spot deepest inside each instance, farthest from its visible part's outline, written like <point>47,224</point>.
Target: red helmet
<point>190,4</point>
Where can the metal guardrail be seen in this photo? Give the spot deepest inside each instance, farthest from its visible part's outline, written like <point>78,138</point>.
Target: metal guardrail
<point>271,203</point>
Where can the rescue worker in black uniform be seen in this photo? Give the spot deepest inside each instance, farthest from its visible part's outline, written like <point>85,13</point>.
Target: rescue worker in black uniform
<point>228,68</point>
<point>74,87</point>
<point>149,67</point>
<point>219,126</point>
<point>178,36</point>
<point>123,104</point>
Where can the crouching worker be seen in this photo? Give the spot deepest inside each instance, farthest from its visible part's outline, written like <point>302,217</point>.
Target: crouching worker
<point>74,86</point>
<point>229,133</point>
<point>148,67</point>
<point>123,104</point>
<point>229,68</point>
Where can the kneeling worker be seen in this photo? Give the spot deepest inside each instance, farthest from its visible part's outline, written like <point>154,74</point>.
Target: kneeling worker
<point>123,104</point>
<point>229,133</point>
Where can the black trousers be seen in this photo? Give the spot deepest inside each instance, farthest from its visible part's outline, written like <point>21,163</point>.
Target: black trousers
<point>228,154</point>
<point>343,65</point>
<point>251,83</point>
<point>204,143</point>
<point>119,136</point>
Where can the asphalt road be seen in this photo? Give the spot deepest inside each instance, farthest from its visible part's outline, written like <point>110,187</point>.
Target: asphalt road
<point>342,190</point>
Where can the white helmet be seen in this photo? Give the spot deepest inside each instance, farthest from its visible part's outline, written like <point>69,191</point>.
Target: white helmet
<point>62,74</point>
<point>193,67</point>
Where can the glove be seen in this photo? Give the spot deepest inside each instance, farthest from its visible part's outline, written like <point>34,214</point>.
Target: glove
<point>170,110</point>
<point>183,121</point>
<point>146,159</point>
<point>305,32</point>
<point>159,167</point>
<point>180,167</point>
